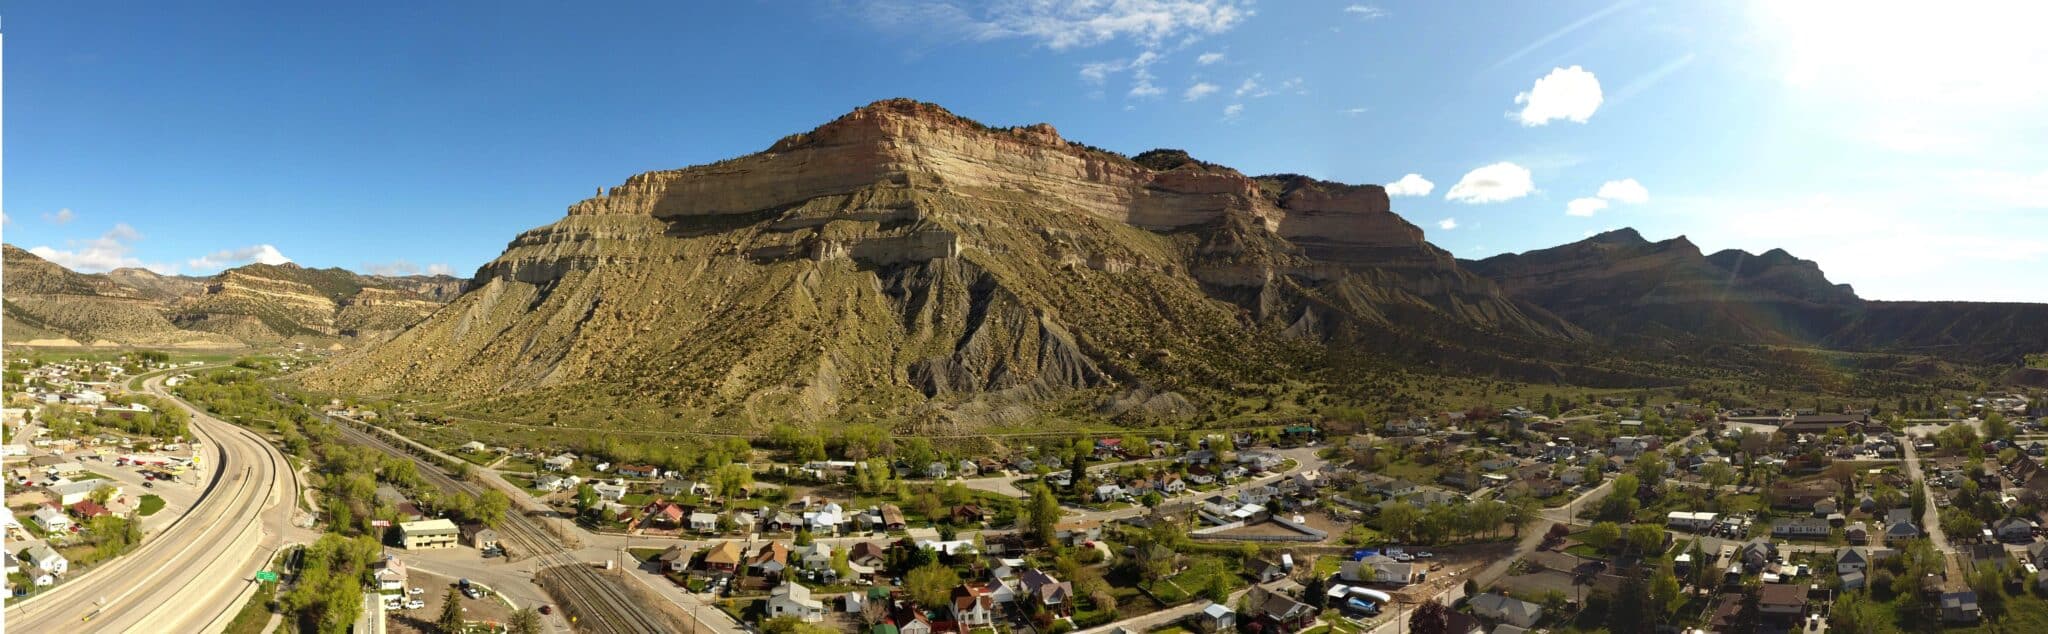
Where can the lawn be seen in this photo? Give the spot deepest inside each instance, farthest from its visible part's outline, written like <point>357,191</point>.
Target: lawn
<point>645,554</point>
<point>150,505</point>
<point>255,614</point>
<point>1585,550</point>
<point>88,475</point>
<point>1189,584</point>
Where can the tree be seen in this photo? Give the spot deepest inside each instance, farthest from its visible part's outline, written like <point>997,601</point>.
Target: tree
<point>1218,590</point>
<point>451,612</point>
<point>1398,519</point>
<point>102,493</point>
<point>931,584</point>
<point>1601,535</point>
<point>491,507</point>
<point>1044,513</point>
<point>1664,589</point>
<point>524,621</point>
<point>586,499</point>
<point>1430,618</point>
<point>733,480</point>
<point>1645,539</point>
<point>1621,504</point>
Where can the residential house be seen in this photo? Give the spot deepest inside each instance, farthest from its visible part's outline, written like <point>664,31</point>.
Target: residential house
<point>1782,599</point>
<point>793,599</point>
<point>1848,560</point>
<point>770,559</point>
<point>1802,527</point>
<point>1382,569</point>
<point>816,557</point>
<point>70,493</point>
<point>673,487</point>
<point>548,482</point>
<point>1960,607</point>
<point>703,522</point>
<point>973,605</point>
<point>1077,532</point>
<point>1265,571</point>
<point>664,512</point>
<point>1506,609</point>
<point>609,492</point>
<point>2013,529</point>
<point>1858,533</point>
<point>868,554</point>
<point>51,520</point>
<point>43,557</point>
<point>390,574</point>
<point>1691,521</point>
<point>1758,553</point>
<point>675,559</point>
<point>479,536</point>
<point>1108,493</point>
<point>560,462</point>
<point>969,514</point>
<point>1047,591</point>
<point>639,471</point>
<point>892,518</point>
<point>1215,618</point>
<point>723,558</point>
<point>967,468</point>
<point>1276,611</point>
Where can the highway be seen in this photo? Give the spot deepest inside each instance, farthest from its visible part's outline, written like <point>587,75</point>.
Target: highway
<point>193,576</point>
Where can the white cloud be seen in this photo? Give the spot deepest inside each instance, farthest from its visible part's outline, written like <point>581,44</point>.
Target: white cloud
<point>1411,185</point>
<point>254,254</point>
<point>5,219</point>
<point>1998,190</point>
<point>1492,183</point>
<point>1144,87</point>
<point>105,253</point>
<point>63,216</point>
<point>1626,191</point>
<point>1251,87</point>
<point>1447,224</point>
<point>1064,24</point>
<point>1366,11</point>
<point>1566,93</point>
<point>395,267</point>
<point>439,269</point>
<point>1206,59</point>
<point>1199,90</point>
<point>1583,207</point>
<point>1354,111</point>
<point>1293,84</point>
<point>1231,111</point>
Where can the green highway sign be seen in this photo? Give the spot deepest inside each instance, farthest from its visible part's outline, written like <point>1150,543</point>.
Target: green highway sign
<point>265,575</point>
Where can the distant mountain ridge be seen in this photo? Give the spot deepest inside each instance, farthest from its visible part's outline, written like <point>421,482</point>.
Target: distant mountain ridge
<point>254,304</point>
<point>1658,294</point>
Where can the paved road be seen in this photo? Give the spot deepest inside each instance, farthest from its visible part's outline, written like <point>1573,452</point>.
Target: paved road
<point>193,575</point>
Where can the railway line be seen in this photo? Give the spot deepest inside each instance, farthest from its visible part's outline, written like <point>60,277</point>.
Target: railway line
<point>598,603</point>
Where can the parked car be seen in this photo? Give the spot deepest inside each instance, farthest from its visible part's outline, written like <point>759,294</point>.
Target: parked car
<point>415,591</point>
<point>415,604</point>
<point>547,609</point>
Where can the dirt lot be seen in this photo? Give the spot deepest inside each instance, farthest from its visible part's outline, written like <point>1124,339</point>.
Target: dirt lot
<point>421,621</point>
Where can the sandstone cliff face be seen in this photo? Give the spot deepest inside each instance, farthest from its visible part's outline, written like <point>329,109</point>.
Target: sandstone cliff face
<point>904,258</point>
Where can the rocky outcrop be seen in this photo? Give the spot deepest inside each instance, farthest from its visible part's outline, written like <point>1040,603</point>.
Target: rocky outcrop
<point>257,303</point>
<point>919,258</point>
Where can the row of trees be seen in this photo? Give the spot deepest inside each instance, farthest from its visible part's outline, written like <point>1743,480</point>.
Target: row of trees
<point>1441,523</point>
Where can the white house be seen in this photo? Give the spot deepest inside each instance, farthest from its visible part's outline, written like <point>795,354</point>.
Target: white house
<point>973,605</point>
<point>703,522</point>
<point>1382,569</point>
<point>560,462</point>
<point>51,520</point>
<point>1691,521</point>
<point>793,599</point>
<point>46,559</point>
<point>609,492</point>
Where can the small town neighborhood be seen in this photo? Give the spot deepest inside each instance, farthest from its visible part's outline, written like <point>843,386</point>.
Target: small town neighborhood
<point>1489,521</point>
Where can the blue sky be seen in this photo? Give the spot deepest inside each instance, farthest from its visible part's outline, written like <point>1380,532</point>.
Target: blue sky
<point>1903,148</point>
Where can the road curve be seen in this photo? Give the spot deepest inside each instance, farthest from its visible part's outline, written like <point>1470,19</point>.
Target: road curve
<point>192,574</point>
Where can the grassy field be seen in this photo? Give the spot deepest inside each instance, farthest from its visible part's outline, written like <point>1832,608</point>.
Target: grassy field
<point>149,505</point>
<point>255,614</point>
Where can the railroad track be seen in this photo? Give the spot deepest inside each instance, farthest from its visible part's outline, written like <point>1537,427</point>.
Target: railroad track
<point>602,606</point>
